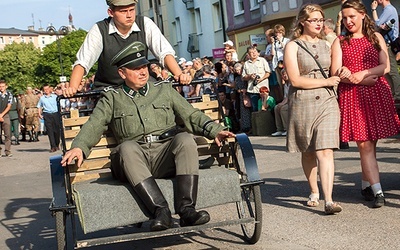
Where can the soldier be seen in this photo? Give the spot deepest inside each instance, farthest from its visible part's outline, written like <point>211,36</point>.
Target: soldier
<point>141,115</point>
<point>22,118</point>
<point>32,123</point>
<point>5,105</point>
<point>14,118</point>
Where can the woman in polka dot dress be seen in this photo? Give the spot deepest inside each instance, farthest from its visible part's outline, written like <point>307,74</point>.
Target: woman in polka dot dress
<point>360,58</point>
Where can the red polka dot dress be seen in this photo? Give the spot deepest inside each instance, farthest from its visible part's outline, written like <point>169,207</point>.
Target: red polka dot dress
<point>367,112</point>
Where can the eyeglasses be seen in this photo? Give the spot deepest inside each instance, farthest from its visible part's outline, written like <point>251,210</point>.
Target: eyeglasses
<point>314,21</point>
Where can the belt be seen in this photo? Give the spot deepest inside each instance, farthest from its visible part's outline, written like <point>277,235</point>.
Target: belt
<point>150,138</point>
<point>32,108</point>
<point>167,134</point>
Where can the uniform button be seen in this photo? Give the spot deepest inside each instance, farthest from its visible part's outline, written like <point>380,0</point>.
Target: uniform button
<point>317,97</point>
<point>145,119</point>
<point>314,46</point>
<point>316,56</point>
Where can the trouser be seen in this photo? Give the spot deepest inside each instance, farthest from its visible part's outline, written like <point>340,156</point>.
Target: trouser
<point>15,128</point>
<point>254,97</point>
<point>52,124</point>
<point>281,117</point>
<point>6,127</point>
<point>393,76</point>
<point>134,161</point>
<point>32,120</point>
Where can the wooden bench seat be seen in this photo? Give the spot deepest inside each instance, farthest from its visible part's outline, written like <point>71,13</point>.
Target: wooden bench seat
<point>104,203</point>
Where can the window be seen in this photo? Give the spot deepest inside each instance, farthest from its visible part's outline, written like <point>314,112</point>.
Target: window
<point>43,40</point>
<point>22,39</point>
<point>254,4</point>
<point>31,39</point>
<point>217,17</point>
<point>10,40</point>
<point>178,30</point>
<point>1,40</point>
<point>239,7</point>
<point>275,6</point>
<point>150,4</point>
<point>198,21</point>
<point>292,4</point>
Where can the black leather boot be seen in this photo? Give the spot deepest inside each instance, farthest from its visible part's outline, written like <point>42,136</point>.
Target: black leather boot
<point>186,201</point>
<point>30,136</point>
<point>35,136</point>
<point>155,202</point>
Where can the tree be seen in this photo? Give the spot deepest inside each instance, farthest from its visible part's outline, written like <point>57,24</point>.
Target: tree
<point>18,64</point>
<point>49,69</point>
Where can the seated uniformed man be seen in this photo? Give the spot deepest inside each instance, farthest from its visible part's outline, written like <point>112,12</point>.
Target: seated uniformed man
<point>141,115</point>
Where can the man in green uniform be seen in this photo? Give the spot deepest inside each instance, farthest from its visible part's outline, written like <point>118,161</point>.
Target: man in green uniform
<point>141,115</point>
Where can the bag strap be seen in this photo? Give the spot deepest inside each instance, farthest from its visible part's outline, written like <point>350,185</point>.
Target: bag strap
<point>319,65</point>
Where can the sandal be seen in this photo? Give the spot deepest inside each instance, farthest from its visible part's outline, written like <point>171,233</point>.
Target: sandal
<point>332,208</point>
<point>313,200</point>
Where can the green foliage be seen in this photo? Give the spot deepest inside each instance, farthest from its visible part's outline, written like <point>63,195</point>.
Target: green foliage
<point>22,64</point>
<point>18,64</point>
<point>48,69</point>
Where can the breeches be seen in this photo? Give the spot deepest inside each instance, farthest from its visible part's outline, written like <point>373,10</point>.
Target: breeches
<point>135,162</point>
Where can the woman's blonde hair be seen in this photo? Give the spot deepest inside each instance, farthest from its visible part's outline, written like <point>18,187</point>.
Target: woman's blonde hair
<point>303,15</point>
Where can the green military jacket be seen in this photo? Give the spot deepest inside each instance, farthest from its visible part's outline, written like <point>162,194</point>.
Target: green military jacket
<point>132,115</point>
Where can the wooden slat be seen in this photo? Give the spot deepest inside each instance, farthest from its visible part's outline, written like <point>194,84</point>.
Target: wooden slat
<point>88,165</point>
<point>88,177</point>
<point>70,134</point>
<point>99,153</point>
<point>206,105</point>
<point>77,121</point>
<point>104,141</point>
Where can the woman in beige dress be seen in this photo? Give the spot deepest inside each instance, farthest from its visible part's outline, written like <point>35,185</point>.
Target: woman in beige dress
<point>313,126</point>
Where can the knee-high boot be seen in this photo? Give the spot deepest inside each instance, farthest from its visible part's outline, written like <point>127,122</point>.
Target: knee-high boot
<point>35,136</point>
<point>30,136</point>
<point>151,195</point>
<point>186,201</point>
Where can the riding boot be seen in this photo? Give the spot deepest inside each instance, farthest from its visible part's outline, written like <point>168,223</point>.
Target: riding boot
<point>187,186</point>
<point>154,200</point>
<point>30,136</point>
<point>35,136</point>
<point>23,133</point>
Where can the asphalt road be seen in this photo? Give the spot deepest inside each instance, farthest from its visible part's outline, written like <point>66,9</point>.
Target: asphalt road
<point>26,223</point>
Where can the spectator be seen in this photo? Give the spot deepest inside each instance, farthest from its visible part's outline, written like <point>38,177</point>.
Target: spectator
<point>198,67</point>
<point>256,72</point>
<point>281,109</point>
<point>48,110</point>
<point>389,12</point>
<point>366,105</point>
<point>244,111</point>
<point>112,34</point>
<point>269,56</point>
<point>313,109</point>
<point>278,45</point>
<point>6,99</point>
<point>266,102</point>
<point>230,48</point>
<point>339,23</point>
<point>329,30</point>
<point>159,72</point>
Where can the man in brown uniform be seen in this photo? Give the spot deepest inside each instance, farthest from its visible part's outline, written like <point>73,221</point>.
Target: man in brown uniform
<point>31,114</point>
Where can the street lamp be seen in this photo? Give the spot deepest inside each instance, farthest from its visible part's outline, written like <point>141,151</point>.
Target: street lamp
<point>63,30</point>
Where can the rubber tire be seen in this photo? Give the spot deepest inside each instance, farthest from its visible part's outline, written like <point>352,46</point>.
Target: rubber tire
<point>251,235</point>
<point>61,230</point>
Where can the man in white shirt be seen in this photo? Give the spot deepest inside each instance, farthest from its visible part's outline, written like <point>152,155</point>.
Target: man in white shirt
<point>256,72</point>
<point>109,36</point>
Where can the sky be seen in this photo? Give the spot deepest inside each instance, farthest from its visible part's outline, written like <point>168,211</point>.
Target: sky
<point>18,13</point>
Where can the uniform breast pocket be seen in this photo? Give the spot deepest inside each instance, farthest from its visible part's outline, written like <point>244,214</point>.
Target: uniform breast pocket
<point>124,124</point>
<point>163,114</point>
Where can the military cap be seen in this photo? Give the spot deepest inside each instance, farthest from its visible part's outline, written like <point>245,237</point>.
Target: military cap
<point>120,2</point>
<point>132,56</point>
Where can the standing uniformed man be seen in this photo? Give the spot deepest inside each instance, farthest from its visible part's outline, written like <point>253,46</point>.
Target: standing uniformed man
<point>32,123</point>
<point>14,118</point>
<point>141,115</point>
<point>5,124</point>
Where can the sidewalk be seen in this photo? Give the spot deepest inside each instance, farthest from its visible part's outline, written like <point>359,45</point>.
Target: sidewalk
<point>25,195</point>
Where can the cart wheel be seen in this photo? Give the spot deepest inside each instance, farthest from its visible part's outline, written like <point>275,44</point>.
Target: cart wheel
<point>61,230</point>
<point>251,204</point>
